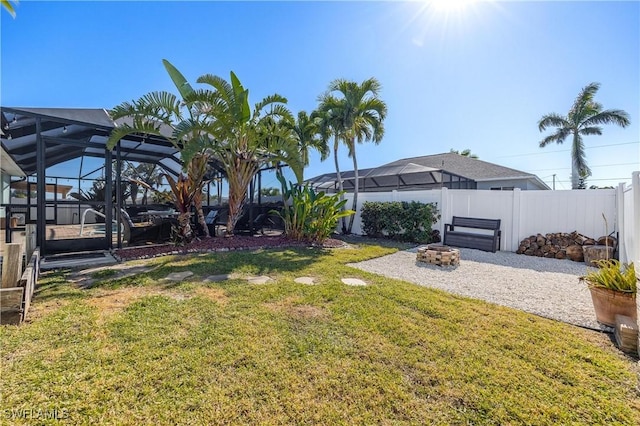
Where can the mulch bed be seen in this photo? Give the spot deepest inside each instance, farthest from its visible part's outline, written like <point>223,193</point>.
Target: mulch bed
<point>217,244</point>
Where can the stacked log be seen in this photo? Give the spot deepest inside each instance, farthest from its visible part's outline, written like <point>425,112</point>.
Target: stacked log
<point>560,245</point>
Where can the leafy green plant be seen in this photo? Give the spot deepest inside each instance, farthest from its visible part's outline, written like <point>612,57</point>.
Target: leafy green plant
<point>614,276</point>
<point>405,221</point>
<point>311,216</point>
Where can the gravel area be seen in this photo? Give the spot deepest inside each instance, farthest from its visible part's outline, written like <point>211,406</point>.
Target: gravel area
<point>546,287</point>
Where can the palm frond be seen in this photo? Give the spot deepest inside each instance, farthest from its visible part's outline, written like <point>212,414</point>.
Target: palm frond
<point>178,79</point>
<point>594,130</point>
<point>610,116</point>
<point>559,137</point>
<point>126,129</point>
<point>6,4</point>
<point>552,120</point>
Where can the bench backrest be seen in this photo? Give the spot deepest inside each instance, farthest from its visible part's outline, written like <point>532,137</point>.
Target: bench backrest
<point>471,222</point>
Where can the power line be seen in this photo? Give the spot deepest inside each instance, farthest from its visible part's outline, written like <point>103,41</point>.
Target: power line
<point>600,165</point>
<point>567,150</point>
<point>589,179</point>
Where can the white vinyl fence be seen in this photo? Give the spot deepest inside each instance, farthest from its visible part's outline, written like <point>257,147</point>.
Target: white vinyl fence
<point>525,213</point>
<point>629,221</point>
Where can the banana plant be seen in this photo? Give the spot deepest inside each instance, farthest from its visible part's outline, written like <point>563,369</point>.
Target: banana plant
<point>312,216</point>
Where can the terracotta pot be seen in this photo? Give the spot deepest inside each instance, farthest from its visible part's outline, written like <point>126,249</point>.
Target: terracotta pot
<point>608,303</point>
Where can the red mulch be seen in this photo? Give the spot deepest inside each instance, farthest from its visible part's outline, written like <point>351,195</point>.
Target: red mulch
<point>217,244</point>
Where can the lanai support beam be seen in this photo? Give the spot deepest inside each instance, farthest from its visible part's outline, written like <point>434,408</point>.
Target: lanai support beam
<point>41,208</point>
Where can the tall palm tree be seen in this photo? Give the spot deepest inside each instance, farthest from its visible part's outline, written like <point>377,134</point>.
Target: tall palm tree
<point>584,118</point>
<point>331,125</point>
<point>360,114</point>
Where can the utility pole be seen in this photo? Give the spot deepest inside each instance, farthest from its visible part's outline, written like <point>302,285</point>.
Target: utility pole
<point>554,181</point>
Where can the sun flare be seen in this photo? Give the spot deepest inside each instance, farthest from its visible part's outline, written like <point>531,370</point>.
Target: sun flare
<point>450,5</point>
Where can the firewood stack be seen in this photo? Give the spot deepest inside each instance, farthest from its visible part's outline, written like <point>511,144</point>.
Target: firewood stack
<point>561,245</point>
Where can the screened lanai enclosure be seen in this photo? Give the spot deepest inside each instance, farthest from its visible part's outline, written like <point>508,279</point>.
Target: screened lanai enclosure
<point>80,195</point>
<point>401,177</point>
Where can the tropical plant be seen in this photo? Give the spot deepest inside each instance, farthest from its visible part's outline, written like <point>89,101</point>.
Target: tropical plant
<point>464,153</point>
<point>155,112</point>
<point>583,119</point>
<point>6,5</point>
<point>307,133</point>
<point>614,276</point>
<point>358,114</point>
<point>182,190</point>
<point>311,216</point>
<point>330,125</point>
<point>245,141</point>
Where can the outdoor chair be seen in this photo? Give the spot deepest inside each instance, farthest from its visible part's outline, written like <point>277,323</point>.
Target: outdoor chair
<point>244,224</point>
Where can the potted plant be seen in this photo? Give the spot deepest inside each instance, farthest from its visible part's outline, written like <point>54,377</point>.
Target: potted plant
<point>613,290</point>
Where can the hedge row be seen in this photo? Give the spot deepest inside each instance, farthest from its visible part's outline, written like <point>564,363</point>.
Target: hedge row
<point>404,221</point>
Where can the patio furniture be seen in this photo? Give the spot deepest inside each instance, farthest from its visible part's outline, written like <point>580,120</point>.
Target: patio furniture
<point>159,231</point>
<point>489,241</point>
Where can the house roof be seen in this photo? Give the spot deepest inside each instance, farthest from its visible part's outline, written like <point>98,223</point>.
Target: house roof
<point>478,170</point>
<point>471,168</point>
<point>426,171</point>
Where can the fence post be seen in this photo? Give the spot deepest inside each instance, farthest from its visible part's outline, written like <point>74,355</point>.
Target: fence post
<point>620,223</point>
<point>30,239</point>
<point>515,221</point>
<point>11,265</point>
<point>635,241</point>
<point>444,209</point>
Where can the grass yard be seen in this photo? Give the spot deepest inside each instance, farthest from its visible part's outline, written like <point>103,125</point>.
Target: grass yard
<point>139,350</point>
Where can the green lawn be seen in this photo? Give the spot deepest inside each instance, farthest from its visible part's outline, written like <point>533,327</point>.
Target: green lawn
<point>139,350</point>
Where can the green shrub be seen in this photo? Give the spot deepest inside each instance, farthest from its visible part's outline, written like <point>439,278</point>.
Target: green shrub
<point>311,216</point>
<point>404,221</point>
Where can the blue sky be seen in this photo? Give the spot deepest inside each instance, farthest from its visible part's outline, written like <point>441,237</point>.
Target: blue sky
<point>476,77</point>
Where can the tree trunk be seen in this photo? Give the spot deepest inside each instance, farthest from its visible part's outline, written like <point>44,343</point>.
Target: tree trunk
<point>184,224</point>
<point>239,178</point>
<point>575,173</point>
<point>339,177</point>
<point>356,185</point>
<point>197,203</point>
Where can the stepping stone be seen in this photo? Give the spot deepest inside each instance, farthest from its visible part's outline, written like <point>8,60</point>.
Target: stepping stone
<point>353,281</point>
<point>217,278</point>
<point>178,276</point>
<point>262,279</point>
<point>305,280</point>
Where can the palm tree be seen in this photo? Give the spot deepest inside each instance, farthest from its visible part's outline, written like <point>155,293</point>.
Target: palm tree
<point>331,125</point>
<point>241,140</point>
<point>464,153</point>
<point>307,133</point>
<point>360,114</point>
<point>584,118</point>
